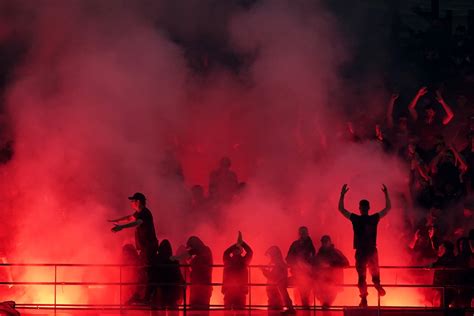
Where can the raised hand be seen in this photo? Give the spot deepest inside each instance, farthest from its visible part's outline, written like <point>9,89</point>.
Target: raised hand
<point>116,228</point>
<point>422,91</point>
<point>439,96</point>
<point>344,189</point>
<point>384,188</point>
<point>240,239</point>
<point>394,96</point>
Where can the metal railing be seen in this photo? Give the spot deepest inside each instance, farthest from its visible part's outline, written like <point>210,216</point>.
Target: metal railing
<point>184,306</point>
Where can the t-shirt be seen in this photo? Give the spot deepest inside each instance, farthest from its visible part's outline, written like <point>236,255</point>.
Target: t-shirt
<point>365,230</point>
<point>145,237</point>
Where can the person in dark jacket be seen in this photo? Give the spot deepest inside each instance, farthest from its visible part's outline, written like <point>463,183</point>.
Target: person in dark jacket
<point>277,278</point>
<point>145,239</point>
<point>328,264</point>
<point>236,274</point>
<point>169,278</point>
<point>299,258</point>
<point>201,273</point>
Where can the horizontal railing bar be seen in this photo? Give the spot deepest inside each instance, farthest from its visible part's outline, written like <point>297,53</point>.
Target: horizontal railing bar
<point>187,265</point>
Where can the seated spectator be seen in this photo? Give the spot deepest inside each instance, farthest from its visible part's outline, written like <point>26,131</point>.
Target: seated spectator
<point>328,272</point>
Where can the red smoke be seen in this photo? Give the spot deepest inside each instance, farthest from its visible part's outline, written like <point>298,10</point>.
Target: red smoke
<point>103,95</point>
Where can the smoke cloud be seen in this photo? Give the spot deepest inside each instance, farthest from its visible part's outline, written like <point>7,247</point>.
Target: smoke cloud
<point>105,93</point>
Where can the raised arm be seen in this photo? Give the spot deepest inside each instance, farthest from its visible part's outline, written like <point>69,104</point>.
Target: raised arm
<point>449,112</point>
<point>391,103</point>
<point>388,204</point>
<point>248,252</point>
<point>412,105</point>
<point>343,211</point>
<point>460,163</point>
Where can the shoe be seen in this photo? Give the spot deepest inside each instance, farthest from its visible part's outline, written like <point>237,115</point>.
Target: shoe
<point>380,290</point>
<point>363,302</point>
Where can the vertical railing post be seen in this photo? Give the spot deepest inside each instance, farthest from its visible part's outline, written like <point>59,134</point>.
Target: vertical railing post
<point>443,291</point>
<point>120,289</point>
<point>55,285</point>
<point>250,290</point>
<point>184,290</point>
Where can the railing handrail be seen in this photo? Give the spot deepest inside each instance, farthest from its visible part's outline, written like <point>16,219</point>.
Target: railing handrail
<point>118,265</point>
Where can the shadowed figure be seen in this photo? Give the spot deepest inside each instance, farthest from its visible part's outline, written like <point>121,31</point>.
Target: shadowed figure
<point>277,279</point>
<point>145,239</point>
<point>223,184</point>
<point>201,273</point>
<point>169,278</point>
<point>236,274</point>
<point>328,267</point>
<point>299,258</point>
<point>365,241</point>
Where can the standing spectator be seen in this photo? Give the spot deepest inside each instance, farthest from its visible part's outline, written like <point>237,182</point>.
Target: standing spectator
<point>446,259</point>
<point>145,237</point>
<point>299,258</point>
<point>277,278</point>
<point>429,126</point>
<point>201,273</point>
<point>223,182</point>
<point>468,156</point>
<point>328,263</point>
<point>423,248</point>
<point>169,278</point>
<point>365,241</point>
<point>236,274</point>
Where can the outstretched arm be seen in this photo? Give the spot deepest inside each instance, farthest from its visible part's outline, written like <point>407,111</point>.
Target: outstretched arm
<point>388,204</point>
<point>124,218</point>
<point>412,105</point>
<point>135,223</point>
<point>449,113</point>
<point>343,211</point>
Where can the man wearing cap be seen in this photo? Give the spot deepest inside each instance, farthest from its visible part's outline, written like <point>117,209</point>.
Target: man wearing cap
<point>145,237</point>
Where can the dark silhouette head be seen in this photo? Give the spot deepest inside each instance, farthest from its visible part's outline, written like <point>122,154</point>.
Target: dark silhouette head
<point>303,233</point>
<point>364,207</point>
<point>194,243</point>
<point>197,192</point>
<point>225,163</point>
<point>237,251</point>
<point>326,241</point>
<point>462,246</point>
<point>275,255</point>
<point>164,249</point>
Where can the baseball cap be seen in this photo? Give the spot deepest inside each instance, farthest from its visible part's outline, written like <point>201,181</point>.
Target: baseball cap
<point>137,196</point>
